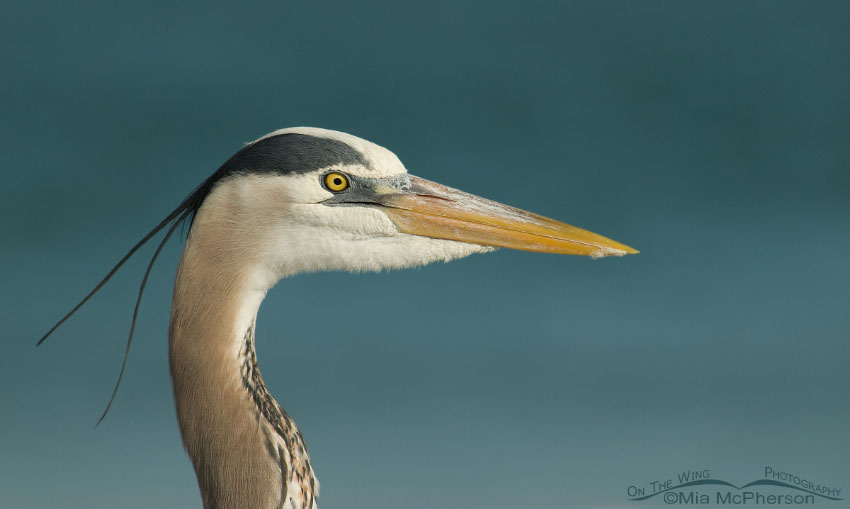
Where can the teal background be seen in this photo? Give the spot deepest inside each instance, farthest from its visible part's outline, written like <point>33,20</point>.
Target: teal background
<point>713,136</point>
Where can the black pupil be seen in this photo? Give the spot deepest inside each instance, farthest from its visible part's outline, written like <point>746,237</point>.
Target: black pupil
<point>337,181</point>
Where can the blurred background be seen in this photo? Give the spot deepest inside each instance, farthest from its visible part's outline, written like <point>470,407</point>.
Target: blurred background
<point>713,136</point>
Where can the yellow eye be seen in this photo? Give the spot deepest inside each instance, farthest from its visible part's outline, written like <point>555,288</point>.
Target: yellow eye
<point>336,182</point>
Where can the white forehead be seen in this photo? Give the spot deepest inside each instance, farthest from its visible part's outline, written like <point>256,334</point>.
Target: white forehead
<point>381,162</point>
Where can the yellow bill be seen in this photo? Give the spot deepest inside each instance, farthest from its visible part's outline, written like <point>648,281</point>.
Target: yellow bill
<point>433,210</point>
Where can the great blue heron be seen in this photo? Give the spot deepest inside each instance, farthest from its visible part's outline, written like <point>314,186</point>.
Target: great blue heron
<point>300,200</point>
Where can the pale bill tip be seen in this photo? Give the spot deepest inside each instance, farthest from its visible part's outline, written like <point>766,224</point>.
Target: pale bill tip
<point>604,251</point>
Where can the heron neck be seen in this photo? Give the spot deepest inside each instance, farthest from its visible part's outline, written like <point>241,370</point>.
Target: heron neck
<point>245,449</point>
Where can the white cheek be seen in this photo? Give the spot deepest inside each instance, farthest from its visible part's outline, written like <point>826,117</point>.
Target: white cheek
<point>338,223</point>
<point>355,239</point>
<point>306,188</point>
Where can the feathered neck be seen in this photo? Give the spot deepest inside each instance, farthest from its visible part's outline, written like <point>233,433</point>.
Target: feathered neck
<point>247,452</point>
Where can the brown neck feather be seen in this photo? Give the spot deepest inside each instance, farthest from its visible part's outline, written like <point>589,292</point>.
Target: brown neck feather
<point>247,452</point>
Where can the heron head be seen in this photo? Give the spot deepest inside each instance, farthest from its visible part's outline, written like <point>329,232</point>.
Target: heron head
<point>307,199</point>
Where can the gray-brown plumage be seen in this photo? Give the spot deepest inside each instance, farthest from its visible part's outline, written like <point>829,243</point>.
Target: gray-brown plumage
<point>300,200</point>
<point>247,452</point>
